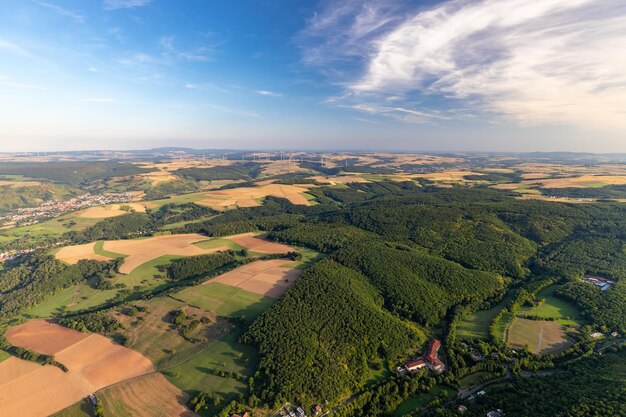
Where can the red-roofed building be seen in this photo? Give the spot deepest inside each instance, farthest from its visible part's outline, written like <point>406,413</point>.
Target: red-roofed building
<point>415,365</point>
<point>240,415</point>
<point>430,360</point>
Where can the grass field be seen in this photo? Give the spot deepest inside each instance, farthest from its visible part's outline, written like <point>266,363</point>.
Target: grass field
<point>4,355</point>
<point>476,325</point>
<point>54,227</point>
<point>153,335</point>
<point>225,300</point>
<point>540,336</point>
<point>201,372</point>
<point>73,298</point>
<point>218,243</point>
<point>553,307</point>
<point>501,328</point>
<point>99,250</point>
<point>476,379</point>
<point>80,409</point>
<point>422,399</point>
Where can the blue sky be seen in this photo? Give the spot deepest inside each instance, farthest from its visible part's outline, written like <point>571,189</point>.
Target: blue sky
<point>343,74</point>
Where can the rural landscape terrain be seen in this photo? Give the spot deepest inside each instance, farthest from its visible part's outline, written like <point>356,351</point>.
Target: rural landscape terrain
<point>180,282</point>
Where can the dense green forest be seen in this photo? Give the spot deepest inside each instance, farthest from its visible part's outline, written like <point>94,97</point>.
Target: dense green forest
<point>322,338</point>
<point>195,266</point>
<point>71,172</point>
<point>241,171</point>
<point>414,284</point>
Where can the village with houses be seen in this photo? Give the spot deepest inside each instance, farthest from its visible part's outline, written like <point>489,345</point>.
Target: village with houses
<point>51,209</point>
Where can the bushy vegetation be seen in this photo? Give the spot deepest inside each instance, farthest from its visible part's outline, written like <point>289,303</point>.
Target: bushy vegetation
<point>195,266</point>
<point>592,386</point>
<point>317,341</point>
<point>40,276</point>
<point>94,323</point>
<point>121,227</point>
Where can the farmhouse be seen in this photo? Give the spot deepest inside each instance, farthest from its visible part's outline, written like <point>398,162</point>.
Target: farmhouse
<point>430,360</point>
<point>246,414</point>
<point>602,283</point>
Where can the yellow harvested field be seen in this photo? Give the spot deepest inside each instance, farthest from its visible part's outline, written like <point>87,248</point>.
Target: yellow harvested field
<point>280,167</point>
<point>17,184</point>
<point>509,186</point>
<point>342,179</point>
<point>147,396</point>
<point>187,162</point>
<point>159,177</point>
<point>75,253</point>
<point>447,175</point>
<point>93,361</point>
<point>256,243</point>
<point>533,175</point>
<point>540,336</point>
<point>396,160</point>
<point>269,278</point>
<point>581,181</point>
<point>141,251</point>
<point>533,170</point>
<point>499,170</point>
<point>248,196</point>
<point>112,210</point>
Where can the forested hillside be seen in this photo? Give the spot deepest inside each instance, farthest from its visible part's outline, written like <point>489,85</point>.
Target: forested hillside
<point>417,285</point>
<point>325,336</point>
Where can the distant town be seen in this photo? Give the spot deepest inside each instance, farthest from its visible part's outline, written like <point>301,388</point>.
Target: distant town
<point>51,209</point>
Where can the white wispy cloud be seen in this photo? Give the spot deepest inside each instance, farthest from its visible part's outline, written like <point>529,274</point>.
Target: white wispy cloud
<point>536,62</point>
<point>63,12</point>
<point>269,93</point>
<point>125,4</point>
<point>104,100</point>
<point>13,48</point>
<point>342,30</point>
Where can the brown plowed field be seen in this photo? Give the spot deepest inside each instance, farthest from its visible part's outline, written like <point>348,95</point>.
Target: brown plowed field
<point>255,243</point>
<point>73,254</point>
<point>43,336</point>
<point>248,196</point>
<point>270,278</point>
<point>147,396</point>
<point>93,361</point>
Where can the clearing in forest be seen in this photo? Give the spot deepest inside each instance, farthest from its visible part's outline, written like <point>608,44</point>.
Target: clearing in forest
<point>250,196</point>
<point>269,278</point>
<point>93,362</point>
<point>541,336</point>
